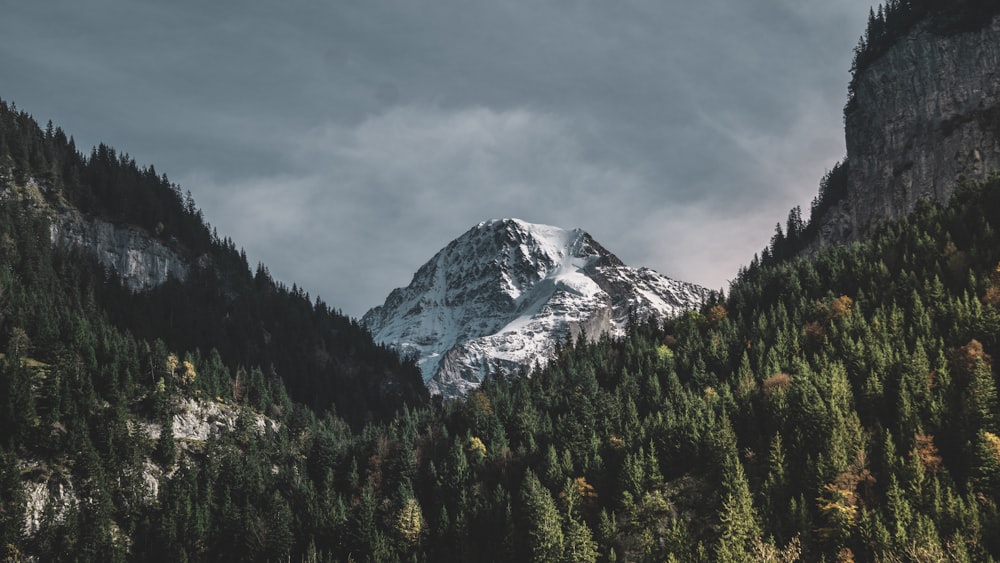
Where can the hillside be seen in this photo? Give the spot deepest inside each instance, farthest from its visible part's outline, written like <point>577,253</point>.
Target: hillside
<point>189,287</point>
<point>843,406</point>
<point>840,406</point>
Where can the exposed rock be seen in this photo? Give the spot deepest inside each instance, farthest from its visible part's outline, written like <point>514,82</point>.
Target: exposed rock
<point>195,421</point>
<point>141,261</point>
<point>198,420</point>
<point>926,116</point>
<point>151,475</point>
<point>47,491</point>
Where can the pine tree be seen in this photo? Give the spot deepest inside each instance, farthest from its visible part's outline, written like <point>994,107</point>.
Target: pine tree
<point>579,544</point>
<point>739,526</point>
<point>544,530</point>
<point>738,519</point>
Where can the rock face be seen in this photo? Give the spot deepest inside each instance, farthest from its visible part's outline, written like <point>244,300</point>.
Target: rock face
<point>37,495</point>
<point>198,421</point>
<point>925,116</point>
<point>506,292</point>
<point>194,423</point>
<point>141,261</point>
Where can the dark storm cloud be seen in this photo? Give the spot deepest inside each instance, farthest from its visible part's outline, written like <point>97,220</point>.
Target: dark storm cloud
<point>343,143</point>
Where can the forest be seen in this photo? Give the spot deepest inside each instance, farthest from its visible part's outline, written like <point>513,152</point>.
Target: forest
<point>836,408</point>
<point>250,320</point>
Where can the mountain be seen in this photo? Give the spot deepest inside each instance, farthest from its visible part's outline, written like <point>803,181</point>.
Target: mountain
<point>184,285</point>
<point>507,293</point>
<point>836,406</point>
<point>923,115</point>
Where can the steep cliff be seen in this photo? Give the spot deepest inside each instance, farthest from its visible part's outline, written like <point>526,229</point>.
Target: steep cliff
<point>925,115</point>
<point>141,261</point>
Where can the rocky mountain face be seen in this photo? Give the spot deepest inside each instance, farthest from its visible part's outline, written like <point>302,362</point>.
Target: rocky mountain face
<point>504,295</point>
<point>141,261</point>
<point>925,116</point>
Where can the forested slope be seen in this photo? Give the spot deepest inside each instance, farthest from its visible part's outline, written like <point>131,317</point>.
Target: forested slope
<point>835,408</point>
<point>323,357</point>
<point>838,407</point>
<point>843,406</point>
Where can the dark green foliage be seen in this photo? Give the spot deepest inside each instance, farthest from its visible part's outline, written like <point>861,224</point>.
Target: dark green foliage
<point>254,326</point>
<point>840,406</point>
<point>79,387</point>
<point>544,540</point>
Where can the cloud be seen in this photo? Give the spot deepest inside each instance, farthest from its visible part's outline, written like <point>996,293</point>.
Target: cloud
<point>375,201</point>
<point>343,143</point>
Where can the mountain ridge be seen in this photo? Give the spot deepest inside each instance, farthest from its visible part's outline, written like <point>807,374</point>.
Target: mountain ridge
<point>838,407</point>
<point>507,292</point>
<point>184,284</point>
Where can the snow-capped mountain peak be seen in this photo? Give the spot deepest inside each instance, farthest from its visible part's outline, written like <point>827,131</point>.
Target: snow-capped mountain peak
<point>506,292</point>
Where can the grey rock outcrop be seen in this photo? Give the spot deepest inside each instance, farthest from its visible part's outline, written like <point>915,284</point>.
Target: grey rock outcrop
<point>141,261</point>
<point>925,117</point>
<point>54,492</point>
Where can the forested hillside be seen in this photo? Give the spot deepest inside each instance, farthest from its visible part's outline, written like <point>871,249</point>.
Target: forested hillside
<point>838,407</point>
<point>323,357</point>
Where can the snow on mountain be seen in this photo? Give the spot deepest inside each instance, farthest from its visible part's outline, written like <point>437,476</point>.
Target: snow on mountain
<point>506,292</point>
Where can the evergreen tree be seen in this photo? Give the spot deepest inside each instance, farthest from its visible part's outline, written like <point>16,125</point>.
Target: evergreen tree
<point>544,531</point>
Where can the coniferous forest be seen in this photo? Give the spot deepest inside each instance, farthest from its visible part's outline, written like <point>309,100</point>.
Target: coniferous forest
<point>841,407</point>
<point>252,321</point>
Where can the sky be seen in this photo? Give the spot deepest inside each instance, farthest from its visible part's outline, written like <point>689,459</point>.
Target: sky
<point>344,142</point>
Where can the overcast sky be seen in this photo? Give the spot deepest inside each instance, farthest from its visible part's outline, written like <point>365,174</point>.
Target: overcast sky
<point>344,142</point>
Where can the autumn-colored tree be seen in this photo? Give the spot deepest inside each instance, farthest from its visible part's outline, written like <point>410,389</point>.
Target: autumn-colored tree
<point>841,307</point>
<point>716,314</point>
<point>410,523</point>
<point>992,295</point>
<point>815,333</point>
<point>476,449</point>
<point>775,384</point>
<point>928,452</point>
